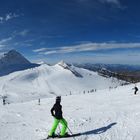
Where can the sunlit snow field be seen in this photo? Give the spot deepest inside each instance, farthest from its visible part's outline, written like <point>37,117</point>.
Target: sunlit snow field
<point>103,115</point>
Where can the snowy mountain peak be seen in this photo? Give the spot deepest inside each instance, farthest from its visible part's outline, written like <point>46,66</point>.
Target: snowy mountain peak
<point>13,57</point>
<point>12,52</point>
<point>70,68</point>
<point>63,64</point>
<point>13,61</point>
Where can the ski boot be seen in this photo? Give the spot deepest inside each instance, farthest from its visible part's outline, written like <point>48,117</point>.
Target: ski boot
<point>53,136</point>
<point>66,135</point>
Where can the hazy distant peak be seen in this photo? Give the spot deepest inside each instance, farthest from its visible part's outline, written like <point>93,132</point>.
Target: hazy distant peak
<point>13,57</point>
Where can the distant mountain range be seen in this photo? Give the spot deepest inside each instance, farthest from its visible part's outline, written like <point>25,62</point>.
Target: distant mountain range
<point>130,73</point>
<point>13,61</point>
<point>111,67</point>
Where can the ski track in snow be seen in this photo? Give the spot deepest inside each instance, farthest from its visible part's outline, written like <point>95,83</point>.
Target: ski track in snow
<point>104,115</point>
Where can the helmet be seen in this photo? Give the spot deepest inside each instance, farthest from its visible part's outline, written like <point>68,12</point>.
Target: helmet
<point>58,99</point>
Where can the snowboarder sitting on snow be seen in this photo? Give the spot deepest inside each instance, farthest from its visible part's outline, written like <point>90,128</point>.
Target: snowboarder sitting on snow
<point>56,112</point>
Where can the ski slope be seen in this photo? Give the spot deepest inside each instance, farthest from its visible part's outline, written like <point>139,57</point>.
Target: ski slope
<point>103,115</point>
<point>49,81</point>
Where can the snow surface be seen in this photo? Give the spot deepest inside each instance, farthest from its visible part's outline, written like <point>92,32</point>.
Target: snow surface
<point>103,115</point>
<point>49,81</point>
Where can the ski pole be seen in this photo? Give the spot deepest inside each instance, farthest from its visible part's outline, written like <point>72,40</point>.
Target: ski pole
<point>59,128</point>
<point>69,130</point>
<point>71,133</point>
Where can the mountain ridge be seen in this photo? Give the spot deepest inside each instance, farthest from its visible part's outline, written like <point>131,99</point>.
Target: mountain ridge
<point>49,81</point>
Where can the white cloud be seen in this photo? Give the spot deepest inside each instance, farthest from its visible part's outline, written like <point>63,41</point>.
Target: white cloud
<point>86,47</point>
<point>4,43</point>
<point>8,17</point>
<point>116,2</point>
<point>5,40</point>
<point>123,58</point>
<point>109,58</point>
<point>49,52</point>
<point>11,16</point>
<point>1,19</point>
<point>22,44</point>
<point>113,2</point>
<point>2,46</point>
<point>110,1</point>
<point>40,50</point>
<point>24,32</point>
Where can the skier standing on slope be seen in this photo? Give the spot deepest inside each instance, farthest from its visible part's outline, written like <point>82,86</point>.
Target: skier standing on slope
<point>136,89</point>
<point>4,100</point>
<point>56,112</point>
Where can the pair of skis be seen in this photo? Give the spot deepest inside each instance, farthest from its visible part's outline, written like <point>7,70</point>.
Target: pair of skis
<point>67,136</point>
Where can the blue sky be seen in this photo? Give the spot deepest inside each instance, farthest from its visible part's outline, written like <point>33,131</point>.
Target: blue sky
<point>95,31</point>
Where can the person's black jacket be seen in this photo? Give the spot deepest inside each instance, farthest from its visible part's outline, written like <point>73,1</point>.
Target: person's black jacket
<point>56,111</point>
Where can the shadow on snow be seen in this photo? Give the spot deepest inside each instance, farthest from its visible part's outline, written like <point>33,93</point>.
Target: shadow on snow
<point>96,131</point>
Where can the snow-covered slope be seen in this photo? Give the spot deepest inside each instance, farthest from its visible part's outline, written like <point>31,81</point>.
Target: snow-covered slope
<point>48,81</point>
<point>105,115</point>
<point>13,61</point>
